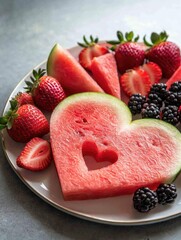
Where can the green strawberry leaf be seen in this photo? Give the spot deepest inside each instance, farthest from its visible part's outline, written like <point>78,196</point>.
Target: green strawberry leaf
<point>82,45</point>
<point>85,40</point>
<point>146,42</point>
<point>86,43</point>
<point>136,38</point>
<point>122,39</point>
<point>155,38</point>
<point>34,80</point>
<point>91,38</point>
<point>96,40</point>
<point>13,104</point>
<point>129,36</point>
<point>2,126</point>
<point>120,36</point>
<point>9,124</point>
<point>163,36</point>
<point>113,42</point>
<point>3,120</point>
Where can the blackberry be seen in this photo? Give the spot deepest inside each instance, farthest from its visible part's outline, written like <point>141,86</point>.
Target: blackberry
<point>166,193</point>
<point>136,102</point>
<point>171,115</point>
<point>175,87</point>
<point>144,199</point>
<point>155,98</point>
<point>150,111</point>
<point>173,98</point>
<point>159,89</point>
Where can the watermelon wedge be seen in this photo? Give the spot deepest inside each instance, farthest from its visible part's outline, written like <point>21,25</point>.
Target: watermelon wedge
<point>174,78</point>
<point>136,153</point>
<point>105,73</point>
<point>65,68</point>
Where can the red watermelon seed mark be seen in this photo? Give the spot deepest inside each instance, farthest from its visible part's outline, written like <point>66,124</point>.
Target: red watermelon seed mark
<point>96,160</point>
<point>83,120</point>
<point>105,143</point>
<point>81,133</point>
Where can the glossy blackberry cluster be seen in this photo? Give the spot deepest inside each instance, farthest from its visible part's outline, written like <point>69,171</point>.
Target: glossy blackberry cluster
<point>159,89</point>
<point>136,102</point>
<point>176,87</point>
<point>145,199</point>
<point>160,103</point>
<point>171,114</point>
<point>166,193</point>
<point>150,110</point>
<point>173,98</point>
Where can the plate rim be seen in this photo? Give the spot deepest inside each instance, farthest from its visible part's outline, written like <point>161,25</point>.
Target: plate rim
<point>60,207</point>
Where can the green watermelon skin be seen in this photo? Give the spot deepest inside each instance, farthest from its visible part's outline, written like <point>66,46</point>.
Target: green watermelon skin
<point>140,153</point>
<point>104,69</point>
<point>71,75</point>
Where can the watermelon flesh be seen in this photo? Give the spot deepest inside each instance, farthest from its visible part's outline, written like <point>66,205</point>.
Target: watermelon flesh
<point>71,75</point>
<point>105,73</point>
<point>136,153</point>
<point>176,77</point>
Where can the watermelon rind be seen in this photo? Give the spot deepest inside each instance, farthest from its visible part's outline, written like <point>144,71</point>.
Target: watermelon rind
<point>50,58</point>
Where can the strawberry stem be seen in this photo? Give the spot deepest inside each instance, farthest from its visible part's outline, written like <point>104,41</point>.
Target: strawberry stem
<point>88,43</point>
<point>129,37</point>
<point>156,38</point>
<point>30,85</point>
<point>7,120</point>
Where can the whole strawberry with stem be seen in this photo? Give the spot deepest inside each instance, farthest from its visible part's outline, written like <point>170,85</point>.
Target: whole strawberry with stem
<point>24,122</point>
<point>91,49</point>
<point>128,52</point>
<point>46,91</point>
<point>165,53</point>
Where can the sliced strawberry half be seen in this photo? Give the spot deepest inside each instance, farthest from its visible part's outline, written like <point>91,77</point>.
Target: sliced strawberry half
<point>36,155</point>
<point>154,72</point>
<point>135,81</point>
<point>90,50</point>
<point>85,57</point>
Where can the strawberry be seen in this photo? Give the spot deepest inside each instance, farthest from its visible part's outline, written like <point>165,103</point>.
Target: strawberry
<point>135,81</point>
<point>128,53</point>
<point>24,122</point>
<point>179,109</point>
<point>46,91</point>
<point>90,50</point>
<point>36,155</point>
<point>166,54</point>
<point>154,71</point>
<point>24,98</point>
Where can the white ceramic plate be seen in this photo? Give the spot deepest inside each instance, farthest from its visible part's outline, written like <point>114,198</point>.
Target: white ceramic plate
<point>114,210</point>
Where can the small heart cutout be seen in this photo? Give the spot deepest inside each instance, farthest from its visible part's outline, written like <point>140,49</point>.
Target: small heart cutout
<point>123,154</point>
<point>96,160</point>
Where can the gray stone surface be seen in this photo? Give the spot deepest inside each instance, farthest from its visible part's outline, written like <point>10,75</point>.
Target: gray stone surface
<point>28,30</point>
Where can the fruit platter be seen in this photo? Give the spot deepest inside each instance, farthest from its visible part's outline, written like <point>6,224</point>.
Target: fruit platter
<point>95,130</point>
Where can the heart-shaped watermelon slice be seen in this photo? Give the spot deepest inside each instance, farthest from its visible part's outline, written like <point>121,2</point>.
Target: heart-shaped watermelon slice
<point>136,153</point>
